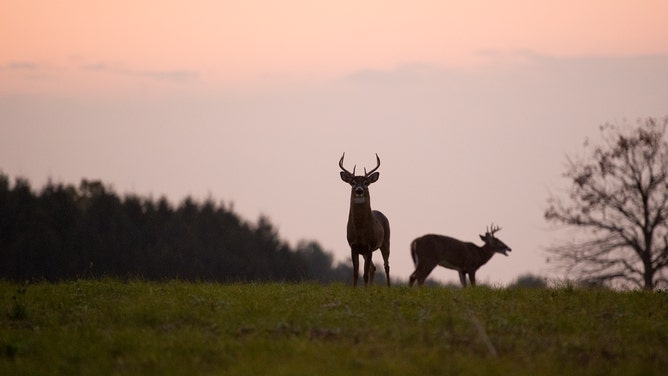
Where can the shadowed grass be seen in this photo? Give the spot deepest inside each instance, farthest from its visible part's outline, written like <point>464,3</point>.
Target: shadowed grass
<point>105,327</point>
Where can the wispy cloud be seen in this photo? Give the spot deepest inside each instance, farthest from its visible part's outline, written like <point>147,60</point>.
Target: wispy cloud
<point>98,67</point>
<point>170,75</point>
<point>177,75</point>
<point>20,66</point>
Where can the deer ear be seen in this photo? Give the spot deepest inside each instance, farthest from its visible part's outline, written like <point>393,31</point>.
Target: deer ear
<point>483,238</point>
<point>373,177</point>
<point>346,176</point>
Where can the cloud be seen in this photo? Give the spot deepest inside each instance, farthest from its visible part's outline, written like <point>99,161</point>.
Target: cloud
<point>502,54</point>
<point>20,66</point>
<point>523,64</point>
<point>98,67</point>
<point>407,74</point>
<point>178,75</point>
<point>169,75</point>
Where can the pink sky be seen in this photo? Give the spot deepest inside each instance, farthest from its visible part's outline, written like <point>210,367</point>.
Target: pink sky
<point>240,41</point>
<point>471,105</point>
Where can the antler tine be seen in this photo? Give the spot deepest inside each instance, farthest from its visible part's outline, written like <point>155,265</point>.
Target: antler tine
<point>343,168</point>
<point>372,171</point>
<point>494,229</point>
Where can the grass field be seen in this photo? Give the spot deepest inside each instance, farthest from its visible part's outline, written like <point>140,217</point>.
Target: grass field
<point>112,327</point>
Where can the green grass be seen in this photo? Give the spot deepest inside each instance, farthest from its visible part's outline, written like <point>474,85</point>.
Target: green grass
<point>113,327</point>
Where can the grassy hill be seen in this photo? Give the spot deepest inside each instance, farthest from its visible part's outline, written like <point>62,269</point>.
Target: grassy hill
<point>113,327</point>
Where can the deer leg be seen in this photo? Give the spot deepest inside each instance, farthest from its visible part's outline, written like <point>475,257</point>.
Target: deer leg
<point>416,276</point>
<point>462,278</point>
<point>367,269</point>
<point>412,279</point>
<point>472,278</point>
<point>386,263</point>
<point>372,270</point>
<point>356,265</point>
<point>423,271</point>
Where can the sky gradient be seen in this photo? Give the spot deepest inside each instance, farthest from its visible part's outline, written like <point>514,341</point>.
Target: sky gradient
<point>472,106</point>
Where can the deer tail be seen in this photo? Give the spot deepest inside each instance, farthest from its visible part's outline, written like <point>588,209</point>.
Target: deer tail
<point>414,252</point>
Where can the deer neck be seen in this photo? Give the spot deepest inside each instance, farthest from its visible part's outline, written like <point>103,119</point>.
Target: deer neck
<point>486,253</point>
<point>360,209</point>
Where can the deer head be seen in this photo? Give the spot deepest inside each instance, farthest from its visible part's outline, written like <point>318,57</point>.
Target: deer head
<point>491,241</point>
<point>359,184</point>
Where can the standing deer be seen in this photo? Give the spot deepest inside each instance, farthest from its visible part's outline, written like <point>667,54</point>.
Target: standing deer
<point>368,230</point>
<point>465,257</point>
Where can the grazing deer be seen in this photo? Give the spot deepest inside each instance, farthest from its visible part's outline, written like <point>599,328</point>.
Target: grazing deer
<point>464,257</point>
<point>368,230</point>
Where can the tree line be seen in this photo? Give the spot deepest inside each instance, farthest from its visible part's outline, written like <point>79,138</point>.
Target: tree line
<point>64,232</point>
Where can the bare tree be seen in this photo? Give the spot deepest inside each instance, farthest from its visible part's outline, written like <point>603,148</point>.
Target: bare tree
<point>619,195</point>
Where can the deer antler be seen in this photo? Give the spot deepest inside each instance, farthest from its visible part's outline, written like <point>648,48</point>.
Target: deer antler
<point>366,174</point>
<point>343,168</point>
<point>493,230</point>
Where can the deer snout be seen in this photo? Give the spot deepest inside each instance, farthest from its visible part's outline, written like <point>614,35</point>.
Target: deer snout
<point>359,191</point>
